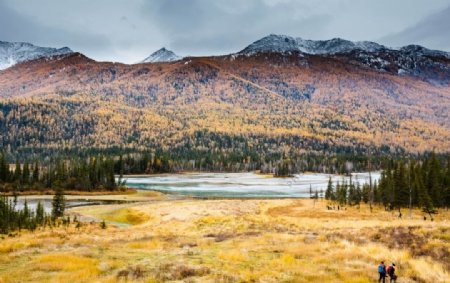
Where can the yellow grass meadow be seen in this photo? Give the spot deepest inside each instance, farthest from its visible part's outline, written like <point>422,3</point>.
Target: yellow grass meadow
<point>187,240</point>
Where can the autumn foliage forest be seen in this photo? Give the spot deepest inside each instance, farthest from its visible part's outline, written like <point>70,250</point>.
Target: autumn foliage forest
<point>228,113</point>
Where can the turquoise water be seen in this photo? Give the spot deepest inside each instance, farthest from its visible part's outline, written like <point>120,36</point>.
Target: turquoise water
<point>240,185</point>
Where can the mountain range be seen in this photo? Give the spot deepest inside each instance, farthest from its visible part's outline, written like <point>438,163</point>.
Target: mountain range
<point>279,94</point>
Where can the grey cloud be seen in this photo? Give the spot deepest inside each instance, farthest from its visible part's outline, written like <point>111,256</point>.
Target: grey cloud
<point>432,32</point>
<point>129,31</point>
<point>16,27</point>
<point>214,27</point>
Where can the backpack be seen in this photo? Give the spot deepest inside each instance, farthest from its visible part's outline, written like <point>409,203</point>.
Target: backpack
<point>390,270</point>
<point>380,268</point>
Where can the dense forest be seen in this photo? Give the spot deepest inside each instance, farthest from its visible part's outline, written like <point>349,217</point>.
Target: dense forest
<point>204,150</point>
<point>286,102</point>
<point>13,219</point>
<point>81,174</point>
<point>424,184</point>
<point>92,171</point>
<point>277,163</point>
<point>405,183</point>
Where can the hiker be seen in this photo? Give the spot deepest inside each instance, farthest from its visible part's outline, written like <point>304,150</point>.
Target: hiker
<point>391,273</point>
<point>382,272</point>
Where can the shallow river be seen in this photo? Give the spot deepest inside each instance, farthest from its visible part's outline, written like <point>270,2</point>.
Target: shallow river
<point>240,185</point>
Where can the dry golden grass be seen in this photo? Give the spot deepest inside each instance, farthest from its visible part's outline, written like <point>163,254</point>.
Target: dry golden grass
<point>231,241</point>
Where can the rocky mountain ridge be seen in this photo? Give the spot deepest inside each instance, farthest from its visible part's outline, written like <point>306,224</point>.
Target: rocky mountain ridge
<point>12,53</point>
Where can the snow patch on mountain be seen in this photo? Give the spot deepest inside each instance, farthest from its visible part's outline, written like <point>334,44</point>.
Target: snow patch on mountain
<point>162,55</point>
<point>12,53</point>
<point>417,50</point>
<point>413,60</point>
<point>286,44</point>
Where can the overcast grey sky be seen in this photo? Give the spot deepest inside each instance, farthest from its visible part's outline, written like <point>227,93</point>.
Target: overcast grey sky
<point>129,30</point>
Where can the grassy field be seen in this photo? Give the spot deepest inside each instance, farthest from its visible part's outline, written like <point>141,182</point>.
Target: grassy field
<point>230,241</point>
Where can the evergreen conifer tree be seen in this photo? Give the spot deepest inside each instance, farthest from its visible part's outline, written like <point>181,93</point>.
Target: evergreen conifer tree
<point>329,190</point>
<point>59,203</point>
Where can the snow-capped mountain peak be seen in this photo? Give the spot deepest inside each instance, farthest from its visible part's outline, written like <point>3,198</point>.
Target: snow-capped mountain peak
<point>418,50</point>
<point>162,55</point>
<point>284,43</point>
<point>336,45</point>
<point>12,53</point>
<point>272,43</point>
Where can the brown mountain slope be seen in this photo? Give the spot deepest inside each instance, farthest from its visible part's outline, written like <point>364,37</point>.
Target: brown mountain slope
<point>75,101</point>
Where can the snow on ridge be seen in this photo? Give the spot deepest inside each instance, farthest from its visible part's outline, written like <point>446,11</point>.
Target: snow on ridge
<point>162,55</point>
<point>12,53</point>
<point>419,50</point>
<point>284,43</point>
<point>288,44</point>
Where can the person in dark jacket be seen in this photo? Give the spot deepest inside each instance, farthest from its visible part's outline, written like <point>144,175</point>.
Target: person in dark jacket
<point>391,273</point>
<point>382,272</point>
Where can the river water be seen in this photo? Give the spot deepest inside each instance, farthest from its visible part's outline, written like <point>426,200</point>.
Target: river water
<point>241,185</point>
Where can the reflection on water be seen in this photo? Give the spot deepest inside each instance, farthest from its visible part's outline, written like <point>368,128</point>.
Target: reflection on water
<point>240,185</point>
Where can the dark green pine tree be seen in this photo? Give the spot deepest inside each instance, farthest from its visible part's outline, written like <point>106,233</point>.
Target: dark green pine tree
<point>25,215</point>
<point>425,201</point>
<point>389,190</point>
<point>411,178</point>
<point>401,190</point>
<point>341,192</point>
<point>447,184</point>
<point>59,203</point>
<point>4,169</point>
<point>40,214</point>
<point>35,175</point>
<point>375,189</point>
<point>120,167</point>
<point>351,192</point>
<point>93,173</point>
<point>384,188</point>
<point>433,180</point>
<point>365,194</point>
<point>4,215</point>
<point>18,172</point>
<point>26,173</point>
<point>358,195</point>
<point>329,191</point>
<point>109,172</point>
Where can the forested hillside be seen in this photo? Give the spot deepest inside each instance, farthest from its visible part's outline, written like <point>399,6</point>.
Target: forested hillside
<point>261,104</point>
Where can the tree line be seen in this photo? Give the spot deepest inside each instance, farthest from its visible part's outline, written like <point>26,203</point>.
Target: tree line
<point>95,173</point>
<point>205,150</point>
<point>12,218</point>
<point>403,184</point>
<point>239,160</point>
